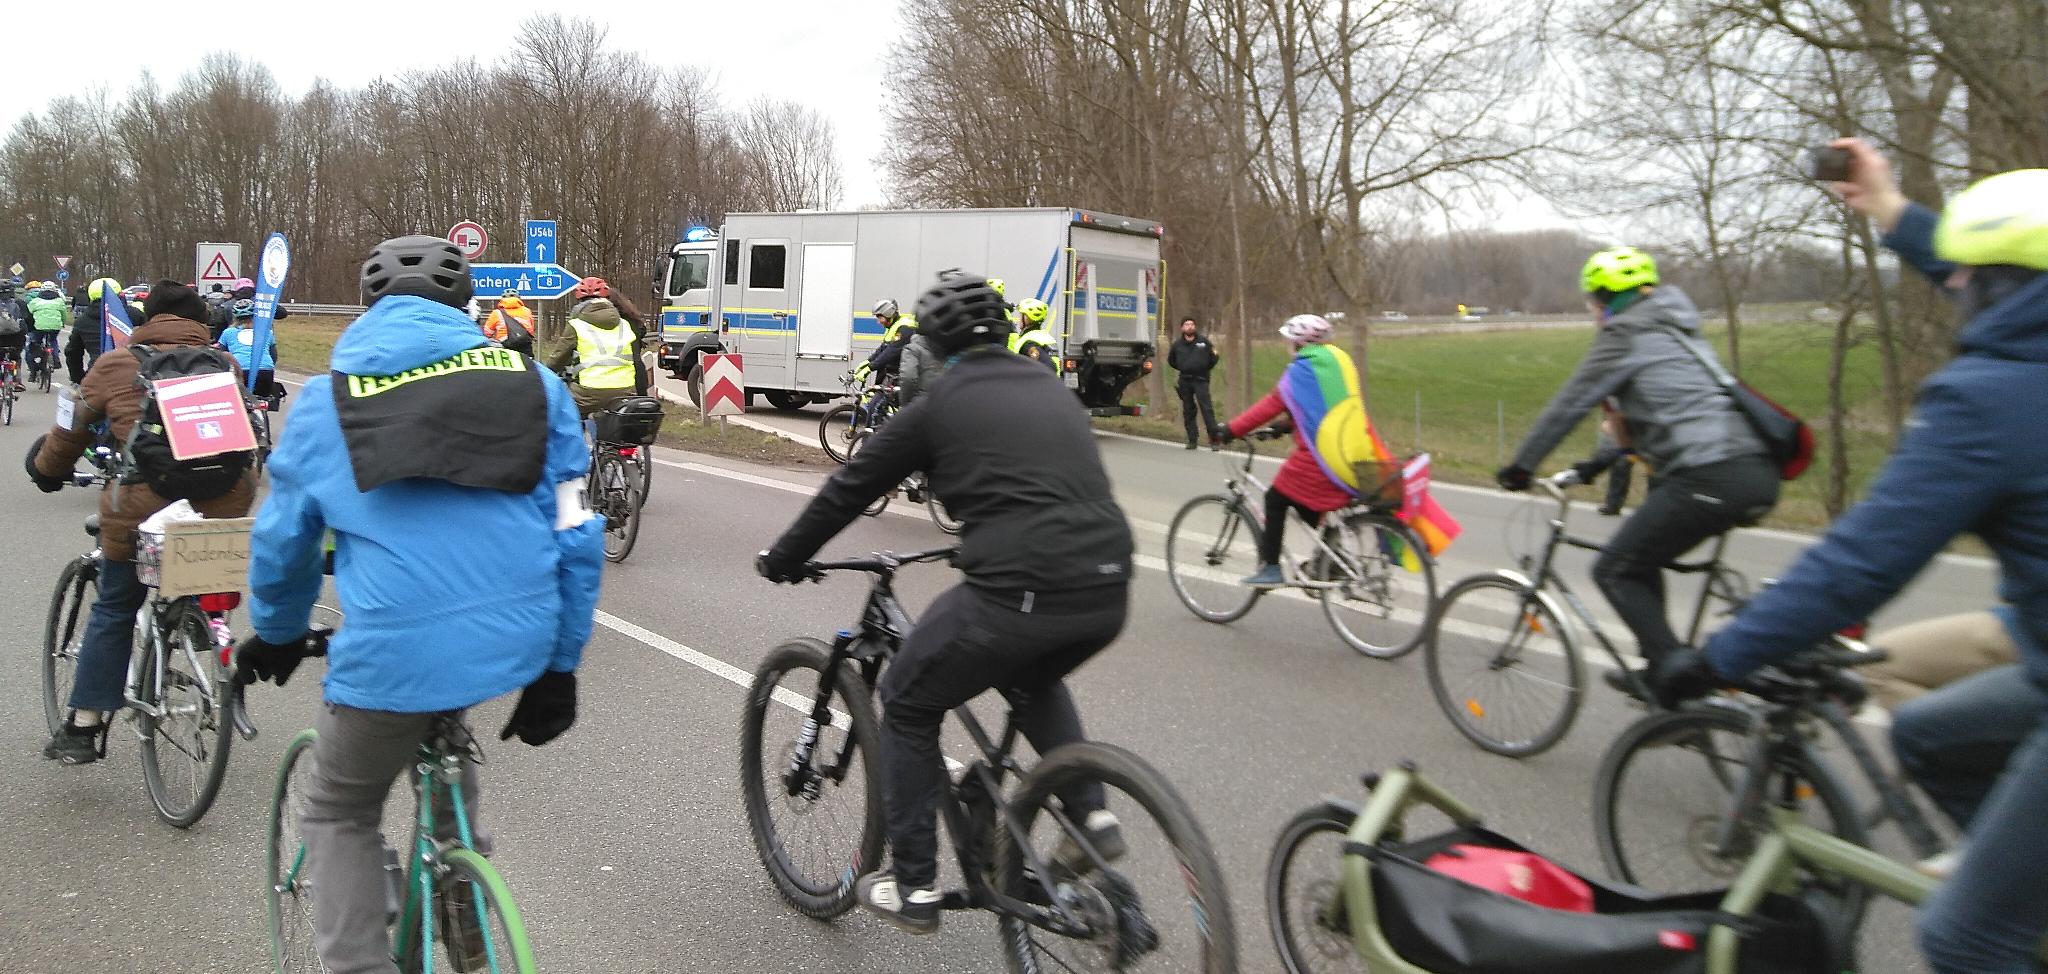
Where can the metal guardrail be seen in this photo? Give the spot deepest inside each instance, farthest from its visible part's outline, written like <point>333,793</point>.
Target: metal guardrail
<point>324,309</point>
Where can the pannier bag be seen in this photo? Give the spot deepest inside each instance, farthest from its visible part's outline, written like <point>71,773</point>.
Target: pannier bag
<point>634,419</point>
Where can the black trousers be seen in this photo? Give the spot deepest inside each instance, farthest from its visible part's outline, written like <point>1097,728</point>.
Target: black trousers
<point>967,642</point>
<point>1194,396</point>
<point>1275,530</point>
<point>1618,477</point>
<point>1683,509</point>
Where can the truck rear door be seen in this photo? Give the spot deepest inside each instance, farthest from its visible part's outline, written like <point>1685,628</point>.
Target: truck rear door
<point>762,317</point>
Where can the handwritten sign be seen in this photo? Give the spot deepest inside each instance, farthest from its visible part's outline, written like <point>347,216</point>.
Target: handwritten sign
<point>205,557</point>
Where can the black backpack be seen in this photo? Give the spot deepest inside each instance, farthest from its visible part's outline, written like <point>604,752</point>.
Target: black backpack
<point>10,316</point>
<point>148,455</point>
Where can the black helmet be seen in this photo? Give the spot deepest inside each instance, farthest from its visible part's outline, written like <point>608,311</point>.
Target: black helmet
<point>428,267</point>
<point>961,311</point>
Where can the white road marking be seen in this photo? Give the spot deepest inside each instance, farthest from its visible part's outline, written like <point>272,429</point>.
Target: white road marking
<point>710,664</point>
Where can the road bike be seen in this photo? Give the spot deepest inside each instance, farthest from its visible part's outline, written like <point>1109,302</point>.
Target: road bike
<point>177,692</point>
<point>441,870</point>
<point>1375,579</point>
<point>843,425</point>
<point>1512,681</point>
<point>9,372</point>
<point>1664,824</point>
<point>811,777</point>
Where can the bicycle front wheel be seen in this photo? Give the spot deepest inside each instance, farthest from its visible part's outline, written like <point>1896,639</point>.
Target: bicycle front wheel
<point>836,432</point>
<point>1387,585</point>
<point>78,588</point>
<point>1305,894</point>
<point>1667,787</point>
<point>471,878</point>
<point>1158,906</point>
<point>289,895</point>
<point>1212,544</point>
<point>1503,666</point>
<point>185,745</point>
<point>815,811</point>
<point>619,496</point>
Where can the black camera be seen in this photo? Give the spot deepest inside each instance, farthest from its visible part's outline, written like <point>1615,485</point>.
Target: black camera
<point>1827,164</point>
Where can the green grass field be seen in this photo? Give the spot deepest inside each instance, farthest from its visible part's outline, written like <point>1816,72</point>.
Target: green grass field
<point>1476,394</point>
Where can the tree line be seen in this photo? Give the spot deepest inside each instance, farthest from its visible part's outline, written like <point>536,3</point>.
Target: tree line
<point>622,152</point>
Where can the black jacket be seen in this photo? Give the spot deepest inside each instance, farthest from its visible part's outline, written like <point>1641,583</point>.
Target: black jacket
<point>1034,495</point>
<point>1192,359</point>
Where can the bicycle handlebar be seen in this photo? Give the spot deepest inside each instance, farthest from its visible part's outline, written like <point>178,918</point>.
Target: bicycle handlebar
<point>882,562</point>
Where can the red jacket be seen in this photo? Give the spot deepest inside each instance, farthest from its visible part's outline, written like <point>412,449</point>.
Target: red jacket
<point>1300,476</point>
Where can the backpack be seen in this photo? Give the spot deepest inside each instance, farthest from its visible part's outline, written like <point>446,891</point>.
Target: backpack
<point>10,319</point>
<point>148,456</point>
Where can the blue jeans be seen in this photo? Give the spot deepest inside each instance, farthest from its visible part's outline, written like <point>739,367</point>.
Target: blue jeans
<point>1990,916</point>
<point>109,638</point>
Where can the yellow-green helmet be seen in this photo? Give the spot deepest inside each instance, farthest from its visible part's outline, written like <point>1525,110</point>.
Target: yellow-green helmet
<point>997,284</point>
<point>33,286</point>
<point>2002,219</point>
<point>1616,270</point>
<point>1033,310</point>
<point>102,286</point>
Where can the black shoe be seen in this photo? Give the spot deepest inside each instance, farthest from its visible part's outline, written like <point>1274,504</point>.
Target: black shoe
<point>1607,510</point>
<point>73,744</point>
<point>460,929</point>
<point>914,910</point>
<point>1105,836</point>
<point>1191,445</point>
<point>1618,679</point>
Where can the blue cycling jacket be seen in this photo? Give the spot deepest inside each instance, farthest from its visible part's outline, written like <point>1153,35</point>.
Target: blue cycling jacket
<point>451,595</point>
<point>1971,459</point>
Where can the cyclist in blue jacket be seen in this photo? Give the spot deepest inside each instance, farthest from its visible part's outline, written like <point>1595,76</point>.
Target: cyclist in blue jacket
<point>1971,459</point>
<point>450,473</point>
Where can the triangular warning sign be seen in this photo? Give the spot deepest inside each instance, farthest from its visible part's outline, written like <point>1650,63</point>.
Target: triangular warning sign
<point>218,269</point>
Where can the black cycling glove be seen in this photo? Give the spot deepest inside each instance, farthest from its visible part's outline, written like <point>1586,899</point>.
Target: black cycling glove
<point>546,708</point>
<point>257,659</point>
<point>1682,675</point>
<point>45,483</point>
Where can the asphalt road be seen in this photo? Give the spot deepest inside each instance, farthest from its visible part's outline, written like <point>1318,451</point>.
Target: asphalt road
<point>625,840</point>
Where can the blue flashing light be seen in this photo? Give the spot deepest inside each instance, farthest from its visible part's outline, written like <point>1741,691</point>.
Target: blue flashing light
<point>696,234</point>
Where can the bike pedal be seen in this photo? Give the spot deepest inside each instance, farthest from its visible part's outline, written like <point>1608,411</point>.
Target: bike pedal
<point>956,899</point>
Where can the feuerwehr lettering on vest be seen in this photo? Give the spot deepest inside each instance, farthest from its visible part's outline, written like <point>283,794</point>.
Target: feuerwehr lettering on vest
<point>488,359</point>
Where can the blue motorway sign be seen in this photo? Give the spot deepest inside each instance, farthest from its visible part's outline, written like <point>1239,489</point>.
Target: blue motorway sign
<point>540,242</point>
<point>536,280</point>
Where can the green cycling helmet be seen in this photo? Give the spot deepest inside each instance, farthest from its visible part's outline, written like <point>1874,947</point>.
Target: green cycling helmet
<point>997,284</point>
<point>2001,220</point>
<point>102,287</point>
<point>1033,310</point>
<point>1616,270</point>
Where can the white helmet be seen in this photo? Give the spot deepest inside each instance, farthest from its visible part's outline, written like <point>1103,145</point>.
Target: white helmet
<point>1306,328</point>
<point>885,308</point>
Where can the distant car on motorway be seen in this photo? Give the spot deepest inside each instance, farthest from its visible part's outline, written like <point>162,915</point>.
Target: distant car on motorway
<point>136,293</point>
<point>1392,316</point>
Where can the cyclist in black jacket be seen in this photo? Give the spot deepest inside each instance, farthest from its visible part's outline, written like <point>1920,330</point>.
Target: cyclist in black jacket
<point>1046,552</point>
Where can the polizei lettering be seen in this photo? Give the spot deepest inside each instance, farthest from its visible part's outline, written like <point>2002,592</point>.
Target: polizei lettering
<point>470,360</point>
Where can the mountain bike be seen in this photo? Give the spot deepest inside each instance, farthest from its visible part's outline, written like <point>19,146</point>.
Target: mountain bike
<point>1375,579</point>
<point>1672,791</point>
<point>176,692</point>
<point>1512,680</point>
<point>811,779</point>
<point>844,424</point>
<point>443,865</point>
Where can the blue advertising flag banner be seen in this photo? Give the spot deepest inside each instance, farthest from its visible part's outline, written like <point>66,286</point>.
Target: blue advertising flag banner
<point>115,327</point>
<point>270,271</point>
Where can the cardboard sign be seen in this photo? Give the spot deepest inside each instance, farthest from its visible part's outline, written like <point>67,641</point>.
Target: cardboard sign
<point>204,415</point>
<point>204,557</point>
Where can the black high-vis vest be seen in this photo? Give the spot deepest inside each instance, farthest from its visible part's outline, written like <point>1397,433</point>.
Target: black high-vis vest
<point>478,418</point>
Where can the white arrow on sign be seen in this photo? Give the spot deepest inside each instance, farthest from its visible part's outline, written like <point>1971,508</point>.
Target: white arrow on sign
<point>725,387</point>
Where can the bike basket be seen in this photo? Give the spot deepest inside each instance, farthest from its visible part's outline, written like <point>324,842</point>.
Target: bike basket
<point>1380,483</point>
<point>632,420</point>
<point>149,558</point>
<point>1447,926</point>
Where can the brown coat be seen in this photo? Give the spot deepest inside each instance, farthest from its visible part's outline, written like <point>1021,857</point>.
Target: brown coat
<point>109,390</point>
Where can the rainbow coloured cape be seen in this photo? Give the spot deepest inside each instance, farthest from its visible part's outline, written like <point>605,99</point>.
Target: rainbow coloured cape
<point>1320,388</point>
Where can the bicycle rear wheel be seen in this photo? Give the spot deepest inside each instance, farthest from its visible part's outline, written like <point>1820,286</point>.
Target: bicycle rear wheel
<point>1383,607</point>
<point>1305,893</point>
<point>185,748</point>
<point>7,404</point>
<point>816,823</point>
<point>1212,545</point>
<point>644,456</point>
<point>1667,786</point>
<point>1162,906</point>
<point>289,895</point>
<point>619,497</point>
<point>836,432</point>
<point>78,588</point>
<point>1502,666</point>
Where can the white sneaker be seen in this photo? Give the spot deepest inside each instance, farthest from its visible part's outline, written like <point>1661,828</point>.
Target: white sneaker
<point>915,910</point>
<point>1105,836</point>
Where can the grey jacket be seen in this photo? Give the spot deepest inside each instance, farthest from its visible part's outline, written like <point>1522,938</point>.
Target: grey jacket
<point>921,366</point>
<point>1678,416</point>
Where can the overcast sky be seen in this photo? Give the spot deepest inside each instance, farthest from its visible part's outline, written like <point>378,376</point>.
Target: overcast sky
<point>824,53</point>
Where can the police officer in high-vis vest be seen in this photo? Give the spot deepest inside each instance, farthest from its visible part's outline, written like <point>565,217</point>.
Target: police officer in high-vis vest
<point>601,343</point>
<point>1031,340</point>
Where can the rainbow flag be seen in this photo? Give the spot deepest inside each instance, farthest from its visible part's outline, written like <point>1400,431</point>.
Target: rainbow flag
<point>1320,388</point>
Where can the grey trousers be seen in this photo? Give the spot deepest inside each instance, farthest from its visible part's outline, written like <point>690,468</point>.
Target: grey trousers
<point>358,756</point>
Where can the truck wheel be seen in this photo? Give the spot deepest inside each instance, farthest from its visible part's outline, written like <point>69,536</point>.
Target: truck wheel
<point>787,402</point>
<point>696,382</point>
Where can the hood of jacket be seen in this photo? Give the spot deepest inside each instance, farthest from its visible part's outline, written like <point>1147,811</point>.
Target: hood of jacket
<point>599,312</point>
<point>401,332</point>
<point>1663,308</point>
<point>2015,328</point>
<point>172,330</point>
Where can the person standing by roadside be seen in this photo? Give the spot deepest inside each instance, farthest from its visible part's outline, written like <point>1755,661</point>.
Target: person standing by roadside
<point>1193,358</point>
